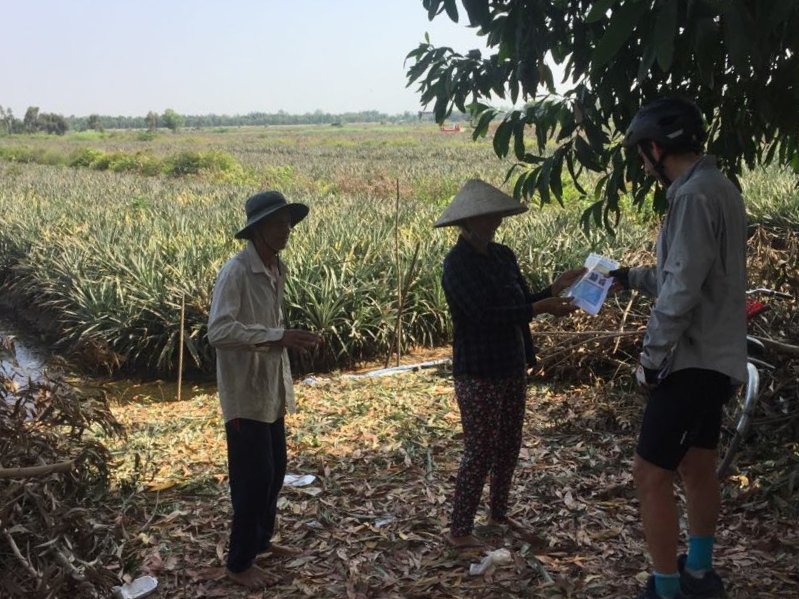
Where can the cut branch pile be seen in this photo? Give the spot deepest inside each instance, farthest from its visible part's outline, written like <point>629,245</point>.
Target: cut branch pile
<point>597,349</point>
<point>53,480</point>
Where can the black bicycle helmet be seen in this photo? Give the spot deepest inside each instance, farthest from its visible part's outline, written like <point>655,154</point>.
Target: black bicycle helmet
<point>674,123</point>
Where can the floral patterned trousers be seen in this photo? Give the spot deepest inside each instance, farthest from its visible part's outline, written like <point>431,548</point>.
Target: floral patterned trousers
<point>492,415</point>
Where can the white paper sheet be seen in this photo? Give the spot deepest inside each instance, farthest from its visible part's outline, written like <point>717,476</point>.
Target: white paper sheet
<point>590,291</point>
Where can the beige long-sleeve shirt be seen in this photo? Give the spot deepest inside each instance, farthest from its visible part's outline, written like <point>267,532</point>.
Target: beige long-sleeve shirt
<point>254,382</point>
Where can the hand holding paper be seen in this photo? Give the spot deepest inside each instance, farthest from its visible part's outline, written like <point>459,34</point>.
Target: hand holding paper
<point>567,279</point>
<point>590,291</point>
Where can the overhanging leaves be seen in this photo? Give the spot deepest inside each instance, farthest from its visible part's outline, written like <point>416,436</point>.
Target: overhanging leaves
<point>622,24</point>
<point>665,31</point>
<point>738,60</point>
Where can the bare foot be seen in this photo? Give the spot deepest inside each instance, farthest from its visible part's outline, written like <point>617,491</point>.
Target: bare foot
<point>283,550</point>
<point>252,578</point>
<point>464,542</point>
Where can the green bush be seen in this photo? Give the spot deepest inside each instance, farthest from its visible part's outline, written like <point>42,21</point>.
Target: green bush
<point>185,163</point>
<point>277,177</point>
<point>85,157</point>
<point>217,160</point>
<point>102,162</point>
<point>20,154</point>
<point>191,163</point>
<point>140,162</point>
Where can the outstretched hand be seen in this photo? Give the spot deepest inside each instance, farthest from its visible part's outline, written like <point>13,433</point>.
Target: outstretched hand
<point>647,378</point>
<point>567,279</point>
<point>299,339</point>
<point>557,306</point>
<point>621,279</point>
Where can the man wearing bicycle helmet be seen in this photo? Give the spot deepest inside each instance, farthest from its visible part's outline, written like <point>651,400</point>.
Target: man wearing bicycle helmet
<point>694,349</point>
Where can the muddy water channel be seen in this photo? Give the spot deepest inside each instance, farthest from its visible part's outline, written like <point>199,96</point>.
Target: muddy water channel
<point>26,359</point>
<point>22,358</point>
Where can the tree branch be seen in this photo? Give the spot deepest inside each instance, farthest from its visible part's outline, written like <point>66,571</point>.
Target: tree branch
<point>34,471</point>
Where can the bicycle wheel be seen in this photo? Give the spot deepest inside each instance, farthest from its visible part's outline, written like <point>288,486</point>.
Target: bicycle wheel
<point>737,419</point>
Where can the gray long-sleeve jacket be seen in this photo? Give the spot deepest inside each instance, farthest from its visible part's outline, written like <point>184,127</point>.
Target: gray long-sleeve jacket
<point>699,316</point>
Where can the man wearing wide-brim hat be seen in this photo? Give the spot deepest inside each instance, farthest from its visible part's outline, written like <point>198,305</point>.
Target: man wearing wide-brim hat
<point>254,378</point>
<point>491,307</point>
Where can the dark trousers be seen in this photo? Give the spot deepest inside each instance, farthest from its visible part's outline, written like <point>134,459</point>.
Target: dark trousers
<point>256,467</point>
<point>492,416</point>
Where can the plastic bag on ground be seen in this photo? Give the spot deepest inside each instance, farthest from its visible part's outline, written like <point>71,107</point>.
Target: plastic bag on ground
<point>498,557</point>
<point>298,480</point>
<point>137,589</point>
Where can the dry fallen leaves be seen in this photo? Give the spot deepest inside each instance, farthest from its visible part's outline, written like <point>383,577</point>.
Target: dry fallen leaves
<point>385,452</point>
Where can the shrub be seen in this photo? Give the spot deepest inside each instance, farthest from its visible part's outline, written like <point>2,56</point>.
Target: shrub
<point>185,163</point>
<point>85,157</point>
<point>20,154</point>
<point>191,163</point>
<point>140,162</point>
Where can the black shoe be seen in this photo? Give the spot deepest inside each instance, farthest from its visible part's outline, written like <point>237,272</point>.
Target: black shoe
<point>709,586</point>
<point>649,591</point>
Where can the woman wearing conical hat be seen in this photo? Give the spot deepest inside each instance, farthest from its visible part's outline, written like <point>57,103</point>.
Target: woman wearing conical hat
<point>491,306</point>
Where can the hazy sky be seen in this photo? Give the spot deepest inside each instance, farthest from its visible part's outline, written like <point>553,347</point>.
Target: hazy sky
<point>127,57</point>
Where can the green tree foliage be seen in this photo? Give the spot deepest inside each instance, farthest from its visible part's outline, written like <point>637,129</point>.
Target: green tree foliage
<point>52,123</point>
<point>34,121</point>
<point>94,122</point>
<point>255,119</point>
<point>738,59</point>
<point>152,121</point>
<point>30,122</point>
<point>172,120</point>
<point>6,121</point>
<point>252,119</point>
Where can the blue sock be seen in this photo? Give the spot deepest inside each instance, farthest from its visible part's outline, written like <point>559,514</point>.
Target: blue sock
<point>700,553</point>
<point>667,585</point>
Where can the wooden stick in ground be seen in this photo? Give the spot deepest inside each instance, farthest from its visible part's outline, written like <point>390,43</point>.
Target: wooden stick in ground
<point>180,351</point>
<point>399,279</point>
<point>398,326</point>
<point>33,471</point>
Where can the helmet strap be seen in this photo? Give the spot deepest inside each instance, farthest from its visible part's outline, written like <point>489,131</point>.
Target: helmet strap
<point>657,165</point>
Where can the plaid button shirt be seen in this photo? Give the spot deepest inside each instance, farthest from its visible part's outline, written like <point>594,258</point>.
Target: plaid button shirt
<point>491,307</point>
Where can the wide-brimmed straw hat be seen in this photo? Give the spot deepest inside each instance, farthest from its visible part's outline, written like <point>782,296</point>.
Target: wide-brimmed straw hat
<point>478,198</point>
<point>263,204</point>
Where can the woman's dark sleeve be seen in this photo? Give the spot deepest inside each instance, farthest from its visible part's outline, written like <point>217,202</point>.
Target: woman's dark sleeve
<point>468,294</point>
<point>544,294</point>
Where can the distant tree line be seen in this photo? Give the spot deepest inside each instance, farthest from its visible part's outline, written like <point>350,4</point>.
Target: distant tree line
<point>35,121</point>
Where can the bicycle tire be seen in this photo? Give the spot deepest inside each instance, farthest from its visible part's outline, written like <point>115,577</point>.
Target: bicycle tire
<point>737,419</point>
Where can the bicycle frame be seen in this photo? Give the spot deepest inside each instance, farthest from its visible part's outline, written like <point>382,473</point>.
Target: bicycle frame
<point>752,386</point>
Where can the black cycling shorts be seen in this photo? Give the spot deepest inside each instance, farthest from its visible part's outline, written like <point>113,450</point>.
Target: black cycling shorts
<point>683,411</point>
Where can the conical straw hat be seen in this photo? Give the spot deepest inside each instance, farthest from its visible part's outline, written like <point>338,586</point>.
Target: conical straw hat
<point>478,198</point>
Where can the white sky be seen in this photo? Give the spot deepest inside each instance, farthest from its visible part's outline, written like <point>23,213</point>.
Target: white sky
<point>127,57</point>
